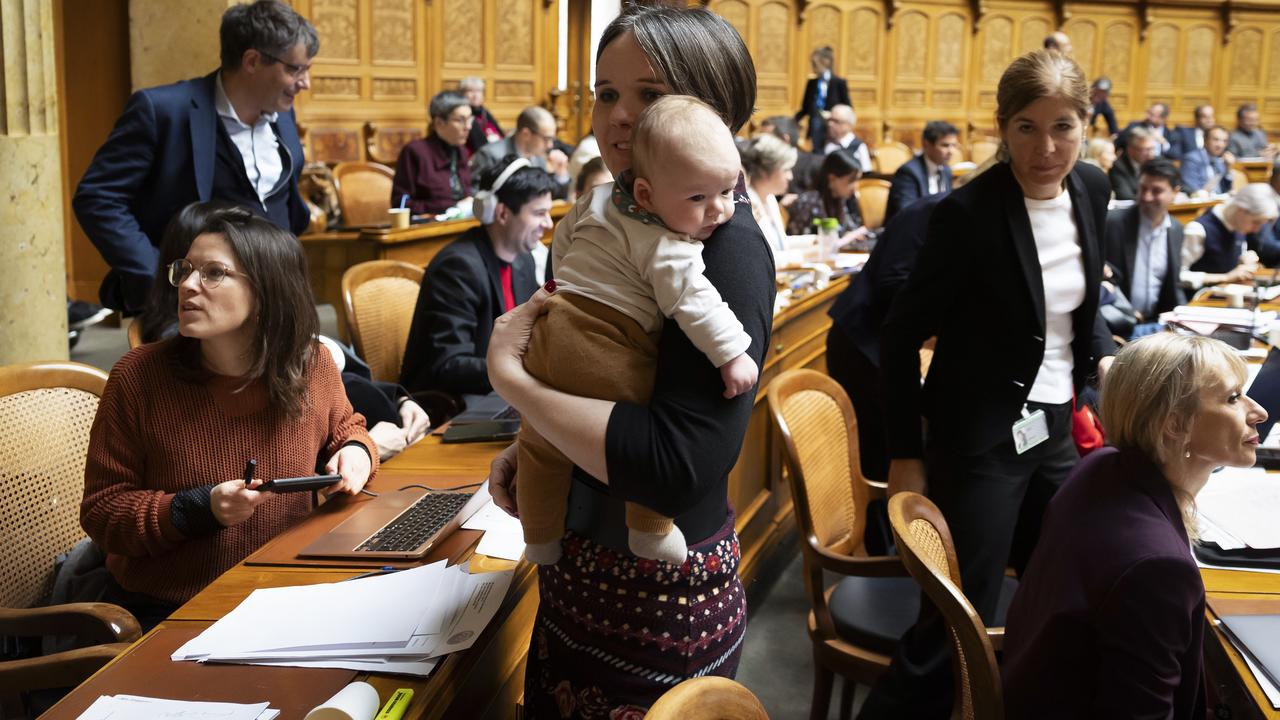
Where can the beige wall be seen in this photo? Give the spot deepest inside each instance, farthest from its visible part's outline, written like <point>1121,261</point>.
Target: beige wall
<point>171,41</point>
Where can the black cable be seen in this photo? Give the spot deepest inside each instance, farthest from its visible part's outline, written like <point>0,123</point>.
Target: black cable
<point>431,489</point>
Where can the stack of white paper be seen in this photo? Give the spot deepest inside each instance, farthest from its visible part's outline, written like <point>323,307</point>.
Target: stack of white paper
<point>1238,509</point>
<point>503,536</point>
<point>114,707</point>
<point>394,623</point>
<point>1205,320</point>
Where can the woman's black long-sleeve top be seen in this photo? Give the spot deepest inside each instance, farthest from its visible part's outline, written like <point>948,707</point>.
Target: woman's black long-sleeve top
<point>674,456</point>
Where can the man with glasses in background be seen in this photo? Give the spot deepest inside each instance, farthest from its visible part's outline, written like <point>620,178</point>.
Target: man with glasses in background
<point>229,136</point>
<point>534,140</point>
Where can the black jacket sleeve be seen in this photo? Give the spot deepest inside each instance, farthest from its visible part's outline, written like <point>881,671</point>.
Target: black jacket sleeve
<point>443,352</point>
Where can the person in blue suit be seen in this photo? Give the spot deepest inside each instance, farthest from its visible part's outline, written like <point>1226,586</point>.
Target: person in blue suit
<point>1183,139</point>
<point>1205,170</point>
<point>928,173</point>
<point>229,136</point>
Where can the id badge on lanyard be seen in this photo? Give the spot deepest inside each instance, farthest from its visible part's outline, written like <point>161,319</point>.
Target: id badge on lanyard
<point>1030,430</point>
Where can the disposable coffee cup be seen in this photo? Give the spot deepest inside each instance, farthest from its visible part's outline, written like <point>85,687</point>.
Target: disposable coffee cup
<point>399,218</point>
<point>357,701</point>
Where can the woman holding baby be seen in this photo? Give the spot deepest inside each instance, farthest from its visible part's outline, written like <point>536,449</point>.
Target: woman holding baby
<point>598,652</point>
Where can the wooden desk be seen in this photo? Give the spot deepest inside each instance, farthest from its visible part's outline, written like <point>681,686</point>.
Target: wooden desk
<point>1258,171</point>
<point>1185,212</point>
<point>329,254</point>
<point>1225,669</point>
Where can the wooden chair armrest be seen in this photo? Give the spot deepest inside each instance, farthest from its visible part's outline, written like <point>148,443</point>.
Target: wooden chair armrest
<point>59,670</point>
<point>996,636</point>
<point>94,622</point>
<point>876,566</point>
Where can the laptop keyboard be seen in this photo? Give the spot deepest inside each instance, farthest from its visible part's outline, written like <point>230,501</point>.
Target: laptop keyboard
<point>416,524</point>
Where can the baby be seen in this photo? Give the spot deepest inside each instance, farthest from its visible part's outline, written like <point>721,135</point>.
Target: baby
<point>627,256</point>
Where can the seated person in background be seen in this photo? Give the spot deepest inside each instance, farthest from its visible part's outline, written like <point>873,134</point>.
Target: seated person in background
<point>767,162</point>
<point>1101,153</point>
<point>433,171</point>
<point>593,173</point>
<point>1143,246</point>
<point>394,419</point>
<point>474,279</point>
<point>1206,171</point>
<point>1183,140</point>
<point>833,197</point>
<point>1224,245</point>
<point>1058,41</point>
<point>1108,619</point>
<point>1156,124</point>
<point>165,495</point>
<point>484,126</point>
<point>533,140</point>
<point>1248,140</point>
<point>928,173</point>
<point>840,136</point>
<point>1100,105</point>
<point>788,131</point>
<point>1139,147</point>
<point>629,258</point>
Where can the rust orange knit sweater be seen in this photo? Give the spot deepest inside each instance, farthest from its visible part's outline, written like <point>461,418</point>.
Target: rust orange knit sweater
<point>156,435</point>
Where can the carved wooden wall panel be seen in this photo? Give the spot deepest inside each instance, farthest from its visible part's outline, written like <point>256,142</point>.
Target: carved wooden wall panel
<point>1163,46</point>
<point>336,23</point>
<point>393,32</point>
<point>1084,38</point>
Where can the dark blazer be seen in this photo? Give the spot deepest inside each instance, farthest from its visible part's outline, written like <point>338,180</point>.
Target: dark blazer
<point>1108,620</point>
<point>1124,179</point>
<point>1122,246</point>
<point>977,286</point>
<point>476,138</point>
<point>1196,167</point>
<point>461,296</point>
<point>910,183</point>
<point>1182,140</point>
<point>1104,110</point>
<point>837,94</point>
<point>158,159</point>
<point>860,310</point>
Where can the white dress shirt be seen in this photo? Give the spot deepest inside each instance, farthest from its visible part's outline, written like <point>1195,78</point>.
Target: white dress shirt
<point>862,154</point>
<point>257,144</point>
<point>935,175</point>
<point>1150,262</point>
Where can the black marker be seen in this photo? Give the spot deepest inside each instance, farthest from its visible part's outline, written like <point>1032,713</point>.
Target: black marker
<point>249,467</point>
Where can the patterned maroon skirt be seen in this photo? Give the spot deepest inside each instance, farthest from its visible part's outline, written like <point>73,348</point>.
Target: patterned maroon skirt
<point>614,632</point>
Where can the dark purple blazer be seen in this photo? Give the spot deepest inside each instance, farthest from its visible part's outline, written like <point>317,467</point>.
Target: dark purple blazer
<point>1108,620</point>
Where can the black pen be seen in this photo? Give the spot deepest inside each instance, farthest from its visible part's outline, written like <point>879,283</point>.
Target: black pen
<point>249,467</point>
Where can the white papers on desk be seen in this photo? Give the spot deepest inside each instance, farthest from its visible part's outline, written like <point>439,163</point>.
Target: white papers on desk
<point>1204,320</point>
<point>1242,504</point>
<point>503,536</point>
<point>394,623</point>
<point>122,707</point>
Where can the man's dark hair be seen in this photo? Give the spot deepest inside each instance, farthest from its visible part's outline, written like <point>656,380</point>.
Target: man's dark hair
<point>268,26</point>
<point>785,128</point>
<point>524,185</point>
<point>1162,168</point>
<point>1247,107</point>
<point>935,130</point>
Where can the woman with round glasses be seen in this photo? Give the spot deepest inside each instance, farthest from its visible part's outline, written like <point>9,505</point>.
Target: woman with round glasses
<point>167,494</point>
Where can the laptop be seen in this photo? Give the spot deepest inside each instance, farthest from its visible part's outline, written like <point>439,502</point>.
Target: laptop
<point>487,418</point>
<point>1265,390</point>
<point>401,525</point>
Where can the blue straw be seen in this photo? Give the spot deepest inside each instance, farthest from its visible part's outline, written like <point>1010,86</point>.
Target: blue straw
<point>404,201</point>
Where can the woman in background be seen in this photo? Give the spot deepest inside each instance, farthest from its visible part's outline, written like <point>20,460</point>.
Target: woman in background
<point>834,196</point>
<point>767,162</point>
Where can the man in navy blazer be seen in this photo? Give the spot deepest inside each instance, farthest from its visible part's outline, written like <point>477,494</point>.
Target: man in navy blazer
<point>1143,244</point>
<point>822,92</point>
<point>1183,139</point>
<point>928,173</point>
<point>1206,169</point>
<point>228,136</point>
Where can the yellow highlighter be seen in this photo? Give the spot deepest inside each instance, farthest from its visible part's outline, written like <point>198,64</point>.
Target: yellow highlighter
<point>396,706</point>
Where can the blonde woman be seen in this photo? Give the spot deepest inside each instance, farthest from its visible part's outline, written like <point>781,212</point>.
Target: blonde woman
<point>1101,152</point>
<point>767,162</point>
<point>1007,280</point>
<point>1109,617</point>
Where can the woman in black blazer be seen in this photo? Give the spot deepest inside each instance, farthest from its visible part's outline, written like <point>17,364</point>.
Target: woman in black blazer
<point>1008,282</point>
<point>1109,617</point>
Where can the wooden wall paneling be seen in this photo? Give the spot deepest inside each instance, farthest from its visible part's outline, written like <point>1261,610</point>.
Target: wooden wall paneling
<point>927,69</point>
<point>766,26</point>
<point>1117,60</point>
<point>1250,64</point>
<point>1178,60</point>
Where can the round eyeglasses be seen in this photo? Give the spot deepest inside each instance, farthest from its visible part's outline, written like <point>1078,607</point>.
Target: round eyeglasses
<point>212,273</point>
